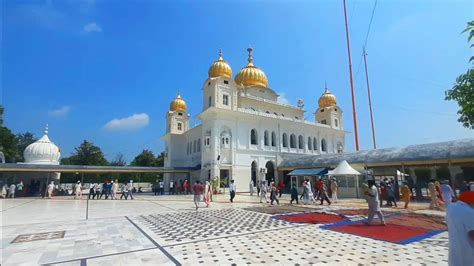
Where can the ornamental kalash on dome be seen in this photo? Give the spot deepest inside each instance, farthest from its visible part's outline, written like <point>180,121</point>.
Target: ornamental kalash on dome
<point>327,99</point>
<point>251,75</point>
<point>220,68</point>
<point>178,104</point>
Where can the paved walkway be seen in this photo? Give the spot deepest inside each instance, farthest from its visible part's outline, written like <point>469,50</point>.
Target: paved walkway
<point>166,230</point>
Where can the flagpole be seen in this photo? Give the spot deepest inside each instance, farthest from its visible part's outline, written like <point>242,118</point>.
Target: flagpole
<point>354,113</point>
<point>370,98</point>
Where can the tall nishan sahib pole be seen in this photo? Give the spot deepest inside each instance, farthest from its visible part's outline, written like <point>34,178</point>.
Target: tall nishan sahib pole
<point>370,98</point>
<point>354,113</point>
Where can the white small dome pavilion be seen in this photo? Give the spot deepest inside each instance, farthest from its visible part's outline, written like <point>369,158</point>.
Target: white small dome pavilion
<point>42,151</point>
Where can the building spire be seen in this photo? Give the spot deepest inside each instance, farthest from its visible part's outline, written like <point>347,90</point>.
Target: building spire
<point>250,50</point>
<point>220,54</point>
<point>46,130</point>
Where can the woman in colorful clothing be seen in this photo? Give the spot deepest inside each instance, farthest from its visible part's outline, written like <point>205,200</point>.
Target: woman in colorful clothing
<point>207,193</point>
<point>406,194</point>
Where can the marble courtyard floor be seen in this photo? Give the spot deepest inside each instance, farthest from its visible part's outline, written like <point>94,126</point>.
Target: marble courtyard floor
<point>167,230</point>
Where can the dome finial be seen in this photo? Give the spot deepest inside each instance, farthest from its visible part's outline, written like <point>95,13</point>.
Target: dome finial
<point>250,50</point>
<point>220,54</point>
<point>326,90</point>
<point>46,130</point>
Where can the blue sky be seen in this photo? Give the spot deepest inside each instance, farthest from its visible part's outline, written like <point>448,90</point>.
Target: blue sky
<point>78,65</point>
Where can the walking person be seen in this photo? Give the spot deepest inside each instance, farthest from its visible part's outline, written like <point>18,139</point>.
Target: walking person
<point>391,195</point>
<point>447,193</point>
<point>114,189</point>
<point>19,189</point>
<point>50,190</point>
<point>171,188</point>
<point>4,191</point>
<point>263,191</point>
<point>406,194</point>
<point>130,189</point>
<point>281,187</point>
<point>197,190</point>
<point>323,194</point>
<point>91,192</point>
<point>11,191</point>
<point>334,187</point>
<point>207,193</point>
<point>294,193</point>
<point>161,185</point>
<point>232,190</point>
<point>460,221</point>
<point>259,188</point>
<point>273,194</point>
<point>78,190</point>
<point>374,203</point>
<point>434,203</point>
<point>251,187</point>
<point>308,194</point>
<point>186,187</point>
<point>124,191</point>
<point>103,190</point>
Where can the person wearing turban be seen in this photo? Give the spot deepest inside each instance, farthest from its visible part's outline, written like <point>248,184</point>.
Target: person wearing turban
<point>460,221</point>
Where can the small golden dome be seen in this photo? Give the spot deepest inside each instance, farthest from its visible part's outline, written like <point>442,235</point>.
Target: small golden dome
<point>178,104</point>
<point>327,99</point>
<point>251,75</point>
<point>220,68</point>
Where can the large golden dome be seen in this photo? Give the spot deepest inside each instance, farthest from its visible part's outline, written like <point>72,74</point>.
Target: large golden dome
<point>327,99</point>
<point>220,68</point>
<point>251,75</point>
<point>178,104</point>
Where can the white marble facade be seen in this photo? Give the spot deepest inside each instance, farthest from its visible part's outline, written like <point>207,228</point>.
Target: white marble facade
<point>245,132</point>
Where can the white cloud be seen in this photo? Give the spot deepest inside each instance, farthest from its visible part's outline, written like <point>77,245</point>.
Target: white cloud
<point>282,98</point>
<point>92,27</point>
<point>61,112</point>
<point>132,122</point>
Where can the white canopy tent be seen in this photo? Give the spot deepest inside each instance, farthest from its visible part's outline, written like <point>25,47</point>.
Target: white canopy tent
<point>344,169</point>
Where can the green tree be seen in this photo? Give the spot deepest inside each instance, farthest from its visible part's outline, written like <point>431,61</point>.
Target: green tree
<point>463,90</point>
<point>146,158</point>
<point>119,160</point>
<point>8,144</point>
<point>22,141</point>
<point>160,160</point>
<point>86,154</point>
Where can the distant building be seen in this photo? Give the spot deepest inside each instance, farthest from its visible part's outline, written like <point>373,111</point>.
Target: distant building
<point>245,132</point>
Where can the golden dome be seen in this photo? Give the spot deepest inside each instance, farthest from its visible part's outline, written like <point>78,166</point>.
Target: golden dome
<point>178,104</point>
<point>251,75</point>
<point>220,68</point>
<point>327,99</point>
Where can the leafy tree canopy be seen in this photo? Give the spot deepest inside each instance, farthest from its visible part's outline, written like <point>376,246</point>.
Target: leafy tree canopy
<point>463,90</point>
<point>8,144</point>
<point>22,141</point>
<point>86,154</point>
<point>146,158</point>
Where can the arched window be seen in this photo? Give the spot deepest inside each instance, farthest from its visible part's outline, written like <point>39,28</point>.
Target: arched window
<point>310,144</point>
<point>292,141</point>
<point>180,126</point>
<point>300,142</point>
<point>265,138</point>
<point>323,145</point>
<point>336,123</point>
<point>210,101</point>
<point>199,145</point>
<point>273,139</point>
<point>253,137</point>
<point>315,144</point>
<point>285,140</point>
<point>194,146</point>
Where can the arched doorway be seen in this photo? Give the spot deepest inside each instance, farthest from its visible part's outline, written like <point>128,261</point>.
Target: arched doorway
<point>270,175</point>
<point>254,173</point>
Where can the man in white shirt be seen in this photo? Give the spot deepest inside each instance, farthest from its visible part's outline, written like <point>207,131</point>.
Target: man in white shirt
<point>232,190</point>
<point>171,191</point>
<point>460,221</point>
<point>162,187</point>
<point>11,191</point>
<point>374,203</point>
<point>447,193</point>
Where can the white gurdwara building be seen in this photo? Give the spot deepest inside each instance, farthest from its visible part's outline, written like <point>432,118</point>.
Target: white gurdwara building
<point>245,132</point>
